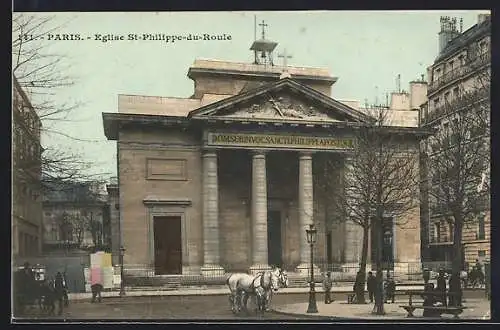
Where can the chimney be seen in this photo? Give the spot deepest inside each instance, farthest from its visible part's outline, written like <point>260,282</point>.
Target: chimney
<point>448,31</point>
<point>483,17</point>
<point>418,94</point>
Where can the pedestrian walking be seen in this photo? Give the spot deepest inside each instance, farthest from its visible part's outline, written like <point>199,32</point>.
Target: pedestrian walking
<point>59,291</point>
<point>441,286</point>
<point>455,297</point>
<point>371,284</point>
<point>327,286</point>
<point>96,285</point>
<point>65,290</point>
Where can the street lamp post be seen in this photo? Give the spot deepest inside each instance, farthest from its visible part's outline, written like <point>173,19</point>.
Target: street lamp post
<point>311,239</point>
<point>122,282</point>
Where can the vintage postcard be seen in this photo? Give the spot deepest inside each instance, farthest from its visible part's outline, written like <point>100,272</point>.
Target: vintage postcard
<point>246,166</point>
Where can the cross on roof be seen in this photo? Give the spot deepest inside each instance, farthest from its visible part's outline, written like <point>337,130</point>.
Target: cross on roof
<point>263,24</point>
<point>285,57</point>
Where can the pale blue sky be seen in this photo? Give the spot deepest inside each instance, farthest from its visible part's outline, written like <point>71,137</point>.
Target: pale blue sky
<point>362,49</point>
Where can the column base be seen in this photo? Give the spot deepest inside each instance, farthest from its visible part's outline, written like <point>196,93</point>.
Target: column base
<point>191,270</point>
<point>212,270</point>
<point>254,269</point>
<point>303,269</point>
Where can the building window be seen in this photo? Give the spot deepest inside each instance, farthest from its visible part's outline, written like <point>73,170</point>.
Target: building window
<point>456,92</point>
<point>480,227</point>
<point>437,74</point>
<point>48,214</point>
<point>437,232</point>
<point>450,64</point>
<point>447,97</point>
<point>481,253</point>
<point>482,47</point>
<point>450,228</point>
<point>436,103</point>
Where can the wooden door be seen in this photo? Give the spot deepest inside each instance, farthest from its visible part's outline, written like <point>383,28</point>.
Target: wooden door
<point>167,245</point>
<point>274,247</point>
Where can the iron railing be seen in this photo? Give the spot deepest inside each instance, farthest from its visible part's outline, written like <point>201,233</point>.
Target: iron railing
<point>143,275</point>
<point>469,67</point>
<point>463,102</point>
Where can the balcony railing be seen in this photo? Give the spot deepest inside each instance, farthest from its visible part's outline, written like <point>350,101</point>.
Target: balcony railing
<point>469,67</point>
<point>462,102</point>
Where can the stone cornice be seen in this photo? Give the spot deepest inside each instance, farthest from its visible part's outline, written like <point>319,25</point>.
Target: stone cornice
<point>113,121</point>
<point>194,72</point>
<point>154,200</point>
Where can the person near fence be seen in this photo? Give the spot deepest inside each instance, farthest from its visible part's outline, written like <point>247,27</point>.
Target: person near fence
<point>455,297</point>
<point>59,291</point>
<point>390,288</point>
<point>441,286</point>
<point>429,300</point>
<point>327,286</point>
<point>371,285</point>
<point>65,290</point>
<point>96,285</point>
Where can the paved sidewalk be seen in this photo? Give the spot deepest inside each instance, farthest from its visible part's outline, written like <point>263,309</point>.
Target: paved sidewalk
<point>477,309</point>
<point>200,291</point>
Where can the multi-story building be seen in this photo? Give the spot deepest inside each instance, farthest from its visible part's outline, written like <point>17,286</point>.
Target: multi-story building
<point>114,219</point>
<point>75,215</point>
<point>458,78</point>
<point>26,176</point>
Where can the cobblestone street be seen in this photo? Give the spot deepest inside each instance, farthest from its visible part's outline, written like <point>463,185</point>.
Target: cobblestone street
<point>216,307</point>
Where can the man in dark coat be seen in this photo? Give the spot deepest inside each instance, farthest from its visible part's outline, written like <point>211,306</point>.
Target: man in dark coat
<point>441,286</point>
<point>429,300</point>
<point>455,297</point>
<point>371,284</point>
<point>59,291</point>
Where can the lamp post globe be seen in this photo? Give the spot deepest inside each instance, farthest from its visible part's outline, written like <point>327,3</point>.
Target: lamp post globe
<point>311,239</point>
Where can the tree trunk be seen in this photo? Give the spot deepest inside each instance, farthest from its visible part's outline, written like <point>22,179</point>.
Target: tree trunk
<point>360,293</point>
<point>378,309</point>
<point>457,263</point>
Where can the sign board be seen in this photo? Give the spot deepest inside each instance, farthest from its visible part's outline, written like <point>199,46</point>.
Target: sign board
<point>262,140</point>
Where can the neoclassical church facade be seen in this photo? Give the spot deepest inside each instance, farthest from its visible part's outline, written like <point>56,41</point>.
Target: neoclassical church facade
<point>225,180</point>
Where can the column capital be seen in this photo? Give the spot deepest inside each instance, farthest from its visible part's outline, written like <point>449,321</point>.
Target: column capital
<point>305,154</point>
<point>208,153</point>
<point>258,152</point>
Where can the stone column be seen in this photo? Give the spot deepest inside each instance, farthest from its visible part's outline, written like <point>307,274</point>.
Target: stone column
<point>306,210</point>
<point>353,238</point>
<point>210,191</point>
<point>259,213</point>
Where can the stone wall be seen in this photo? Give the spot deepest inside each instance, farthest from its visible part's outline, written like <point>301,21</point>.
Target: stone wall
<point>140,179</point>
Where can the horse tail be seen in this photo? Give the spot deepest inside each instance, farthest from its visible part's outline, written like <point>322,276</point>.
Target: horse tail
<point>228,278</point>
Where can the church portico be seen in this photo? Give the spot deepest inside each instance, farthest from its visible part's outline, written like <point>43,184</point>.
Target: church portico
<point>227,180</point>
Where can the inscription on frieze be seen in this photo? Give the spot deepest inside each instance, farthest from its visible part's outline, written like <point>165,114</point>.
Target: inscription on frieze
<point>277,141</point>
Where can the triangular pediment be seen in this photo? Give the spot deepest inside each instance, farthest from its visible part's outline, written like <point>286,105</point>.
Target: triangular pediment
<point>285,100</point>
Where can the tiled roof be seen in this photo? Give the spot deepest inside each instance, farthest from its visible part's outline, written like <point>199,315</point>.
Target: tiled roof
<point>464,39</point>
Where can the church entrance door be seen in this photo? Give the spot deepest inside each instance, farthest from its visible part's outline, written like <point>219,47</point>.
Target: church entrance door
<point>167,244</point>
<point>274,246</point>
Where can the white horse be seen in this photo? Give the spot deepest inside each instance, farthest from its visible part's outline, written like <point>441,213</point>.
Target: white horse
<point>242,285</point>
<point>283,283</point>
<point>261,286</point>
<point>232,283</point>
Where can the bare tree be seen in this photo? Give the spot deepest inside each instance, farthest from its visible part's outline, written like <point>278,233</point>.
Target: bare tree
<point>42,74</point>
<point>459,154</point>
<point>381,181</point>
